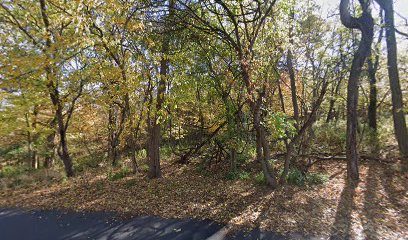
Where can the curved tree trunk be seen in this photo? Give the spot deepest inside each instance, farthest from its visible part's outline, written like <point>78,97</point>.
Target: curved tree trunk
<point>365,25</point>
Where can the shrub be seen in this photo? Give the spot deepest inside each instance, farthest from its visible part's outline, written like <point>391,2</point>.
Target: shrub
<point>317,178</point>
<point>13,171</point>
<point>260,179</point>
<point>235,175</point>
<point>202,169</point>
<point>87,162</point>
<point>113,176</point>
<point>13,152</point>
<point>331,136</point>
<point>144,167</point>
<point>296,177</point>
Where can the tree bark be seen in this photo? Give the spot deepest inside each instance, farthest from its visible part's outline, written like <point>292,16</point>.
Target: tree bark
<point>282,101</point>
<point>400,127</point>
<point>51,149</point>
<point>292,71</point>
<point>113,129</point>
<point>63,151</point>
<point>366,25</point>
<point>372,104</point>
<point>34,153</point>
<point>29,139</point>
<point>262,146</point>
<point>155,125</point>
<point>373,63</point>
<point>331,113</point>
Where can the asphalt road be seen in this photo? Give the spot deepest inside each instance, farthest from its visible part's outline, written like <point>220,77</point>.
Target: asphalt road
<point>18,224</point>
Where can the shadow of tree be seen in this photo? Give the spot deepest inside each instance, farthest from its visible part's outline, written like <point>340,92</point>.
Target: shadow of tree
<point>395,187</point>
<point>341,228</point>
<point>371,203</point>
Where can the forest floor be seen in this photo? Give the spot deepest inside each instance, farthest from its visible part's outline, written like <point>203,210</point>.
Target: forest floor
<point>375,208</point>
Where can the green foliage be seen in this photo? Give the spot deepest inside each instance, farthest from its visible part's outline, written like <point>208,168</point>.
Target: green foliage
<point>260,179</point>
<point>165,151</point>
<point>317,178</point>
<point>250,153</point>
<point>13,152</point>
<point>331,136</point>
<point>235,175</point>
<point>113,176</point>
<point>296,177</point>
<point>202,170</point>
<point>144,167</point>
<point>87,162</point>
<point>13,171</point>
<point>280,126</point>
<point>131,183</point>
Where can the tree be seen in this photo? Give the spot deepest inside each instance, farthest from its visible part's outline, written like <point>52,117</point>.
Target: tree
<point>49,39</point>
<point>239,27</point>
<point>365,24</point>
<point>400,127</point>
<point>373,64</point>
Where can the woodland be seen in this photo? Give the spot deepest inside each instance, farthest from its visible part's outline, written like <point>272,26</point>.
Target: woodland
<point>266,113</point>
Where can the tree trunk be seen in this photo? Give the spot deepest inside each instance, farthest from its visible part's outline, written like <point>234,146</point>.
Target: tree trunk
<point>262,147</point>
<point>331,113</point>
<point>51,149</point>
<point>372,105</point>
<point>29,139</point>
<point>293,87</point>
<point>373,63</point>
<point>292,71</point>
<point>255,103</point>
<point>155,129</point>
<point>64,152</point>
<point>154,151</point>
<point>282,101</point>
<point>365,25</point>
<point>113,129</point>
<point>233,159</point>
<point>400,127</point>
<point>54,94</point>
<point>155,125</point>
<point>34,154</point>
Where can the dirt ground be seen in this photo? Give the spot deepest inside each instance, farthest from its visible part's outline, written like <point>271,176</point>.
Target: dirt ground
<point>375,208</point>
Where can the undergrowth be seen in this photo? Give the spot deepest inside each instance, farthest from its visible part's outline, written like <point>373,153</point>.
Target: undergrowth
<point>116,175</point>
